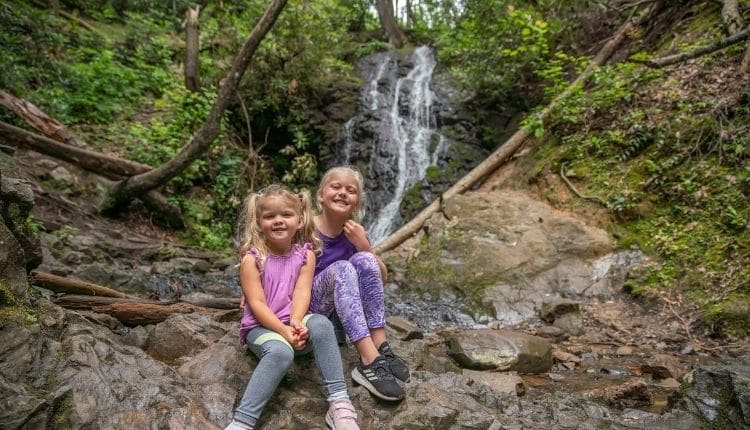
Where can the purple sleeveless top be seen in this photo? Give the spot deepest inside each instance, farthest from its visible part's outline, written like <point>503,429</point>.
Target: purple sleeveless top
<point>333,249</point>
<point>278,278</point>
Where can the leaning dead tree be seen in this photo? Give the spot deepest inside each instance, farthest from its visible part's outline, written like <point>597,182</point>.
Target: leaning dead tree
<point>124,191</point>
<point>192,47</point>
<point>39,120</point>
<point>58,142</point>
<point>507,149</point>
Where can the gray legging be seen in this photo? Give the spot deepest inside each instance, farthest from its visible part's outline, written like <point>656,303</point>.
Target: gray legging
<point>276,356</point>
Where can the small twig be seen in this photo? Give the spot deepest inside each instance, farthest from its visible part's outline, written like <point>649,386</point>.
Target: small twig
<point>575,191</point>
<point>685,324</point>
<point>627,6</point>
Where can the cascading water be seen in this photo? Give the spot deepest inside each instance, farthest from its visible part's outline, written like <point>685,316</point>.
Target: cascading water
<point>393,134</point>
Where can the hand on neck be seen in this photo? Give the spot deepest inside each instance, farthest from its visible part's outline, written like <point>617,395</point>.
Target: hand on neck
<point>330,225</point>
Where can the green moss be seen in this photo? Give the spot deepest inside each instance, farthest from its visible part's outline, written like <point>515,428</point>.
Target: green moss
<point>61,412</point>
<point>432,278</point>
<point>412,201</point>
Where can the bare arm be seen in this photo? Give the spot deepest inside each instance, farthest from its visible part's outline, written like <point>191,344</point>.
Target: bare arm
<point>303,288</point>
<point>356,235</point>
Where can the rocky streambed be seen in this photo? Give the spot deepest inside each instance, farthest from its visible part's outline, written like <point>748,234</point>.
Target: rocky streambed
<point>511,315</point>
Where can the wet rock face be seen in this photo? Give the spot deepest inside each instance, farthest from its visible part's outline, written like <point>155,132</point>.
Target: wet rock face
<point>505,254</point>
<point>407,118</point>
<point>20,250</point>
<point>719,395</point>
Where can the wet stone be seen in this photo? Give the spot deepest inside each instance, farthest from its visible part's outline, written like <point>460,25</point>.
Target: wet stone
<point>550,311</point>
<point>624,351</point>
<point>616,371</point>
<point>500,350</point>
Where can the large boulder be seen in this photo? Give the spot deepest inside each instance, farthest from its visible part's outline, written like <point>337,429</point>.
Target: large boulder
<point>504,254</point>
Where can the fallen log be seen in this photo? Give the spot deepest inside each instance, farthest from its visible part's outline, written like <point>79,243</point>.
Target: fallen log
<point>39,120</point>
<point>507,149</point>
<point>214,302</point>
<point>59,284</point>
<point>104,165</point>
<point>131,312</point>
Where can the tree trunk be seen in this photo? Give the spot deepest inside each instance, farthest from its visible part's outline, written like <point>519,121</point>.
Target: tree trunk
<point>745,66</point>
<point>396,37</point>
<point>730,13</point>
<point>58,284</point>
<point>192,47</point>
<point>39,120</point>
<point>507,149</point>
<point>108,167</point>
<point>409,14</point>
<point>131,312</point>
<point>129,188</point>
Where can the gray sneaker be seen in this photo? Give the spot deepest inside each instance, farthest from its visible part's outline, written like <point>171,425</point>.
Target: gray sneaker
<point>398,367</point>
<point>378,380</point>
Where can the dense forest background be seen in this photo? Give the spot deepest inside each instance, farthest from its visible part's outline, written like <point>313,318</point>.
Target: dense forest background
<point>660,154</point>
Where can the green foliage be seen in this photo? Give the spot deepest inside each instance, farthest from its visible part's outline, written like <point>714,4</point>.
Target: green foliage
<point>179,114</point>
<point>74,74</point>
<point>34,225</point>
<point>369,48</point>
<point>495,49</point>
<point>672,168</point>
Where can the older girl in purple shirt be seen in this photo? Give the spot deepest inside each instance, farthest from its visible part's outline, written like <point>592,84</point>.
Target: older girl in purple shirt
<point>349,281</point>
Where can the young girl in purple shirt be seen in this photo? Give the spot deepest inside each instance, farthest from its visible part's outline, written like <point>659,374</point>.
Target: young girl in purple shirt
<point>349,280</point>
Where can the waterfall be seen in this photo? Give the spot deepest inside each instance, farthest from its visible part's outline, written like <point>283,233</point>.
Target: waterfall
<point>393,134</point>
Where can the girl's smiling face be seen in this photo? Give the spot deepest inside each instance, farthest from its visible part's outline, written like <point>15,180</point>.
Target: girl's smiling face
<point>339,196</point>
<point>279,222</point>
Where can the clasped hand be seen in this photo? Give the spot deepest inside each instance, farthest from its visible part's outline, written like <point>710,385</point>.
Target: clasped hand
<point>296,334</point>
<point>356,234</point>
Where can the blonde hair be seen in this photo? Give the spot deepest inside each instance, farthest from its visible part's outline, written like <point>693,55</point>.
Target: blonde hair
<point>359,211</point>
<point>251,235</point>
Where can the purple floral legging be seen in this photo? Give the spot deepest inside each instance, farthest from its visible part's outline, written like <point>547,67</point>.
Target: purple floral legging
<point>353,288</point>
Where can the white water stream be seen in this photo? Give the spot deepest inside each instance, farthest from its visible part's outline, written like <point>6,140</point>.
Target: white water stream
<point>405,132</point>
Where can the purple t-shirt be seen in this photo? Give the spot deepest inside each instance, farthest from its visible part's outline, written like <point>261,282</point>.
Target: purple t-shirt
<point>333,249</point>
<point>278,278</point>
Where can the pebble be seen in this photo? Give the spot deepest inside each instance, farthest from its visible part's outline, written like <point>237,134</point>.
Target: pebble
<point>624,350</point>
<point>669,383</point>
<point>589,356</point>
<point>616,371</point>
<point>687,350</point>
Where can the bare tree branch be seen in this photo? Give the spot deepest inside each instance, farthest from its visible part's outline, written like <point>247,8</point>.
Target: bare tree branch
<point>703,50</point>
<point>131,187</point>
